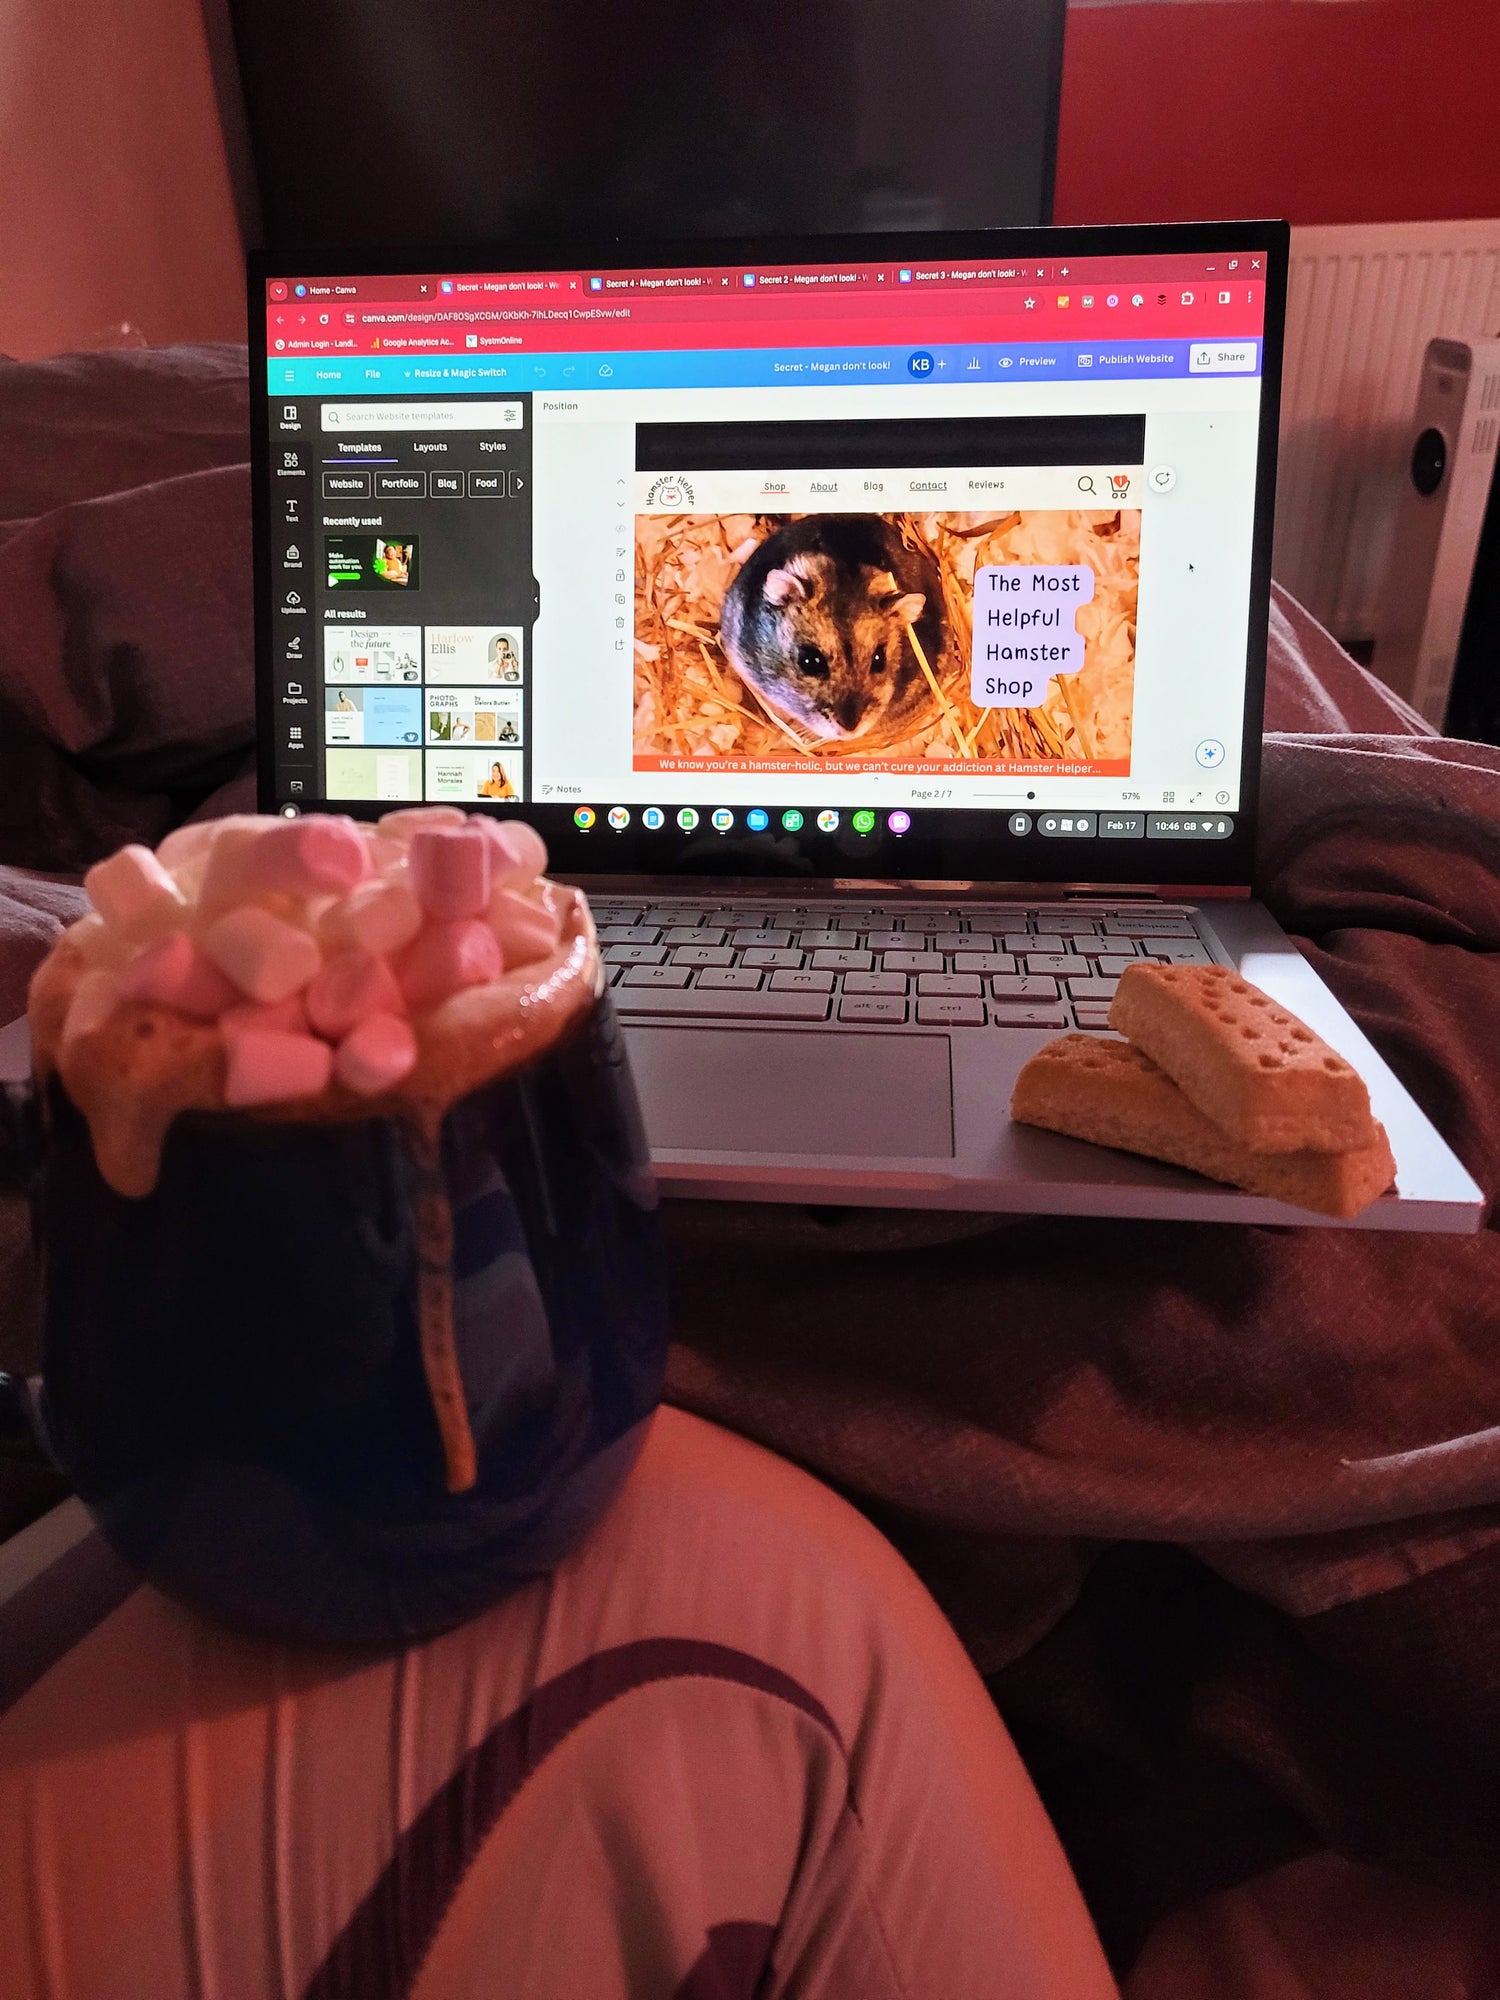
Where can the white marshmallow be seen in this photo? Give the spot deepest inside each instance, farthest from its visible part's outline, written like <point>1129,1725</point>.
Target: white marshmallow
<point>134,894</point>
<point>348,990</point>
<point>519,853</point>
<point>375,1054</point>
<point>95,998</point>
<point>380,916</point>
<point>175,973</point>
<point>268,1066</point>
<point>526,930</point>
<point>450,871</point>
<point>446,957</point>
<point>265,957</point>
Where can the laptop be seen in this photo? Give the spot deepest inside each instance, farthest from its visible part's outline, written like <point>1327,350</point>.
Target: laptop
<point>876,627</point>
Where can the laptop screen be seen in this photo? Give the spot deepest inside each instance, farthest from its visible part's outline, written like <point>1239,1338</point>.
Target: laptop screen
<point>901,563</point>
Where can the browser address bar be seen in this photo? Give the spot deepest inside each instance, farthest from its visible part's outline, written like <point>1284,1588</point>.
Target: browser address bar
<point>467,415</point>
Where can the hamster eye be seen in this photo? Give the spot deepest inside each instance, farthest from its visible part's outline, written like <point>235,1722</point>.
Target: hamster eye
<point>812,660</point>
<point>877,660</point>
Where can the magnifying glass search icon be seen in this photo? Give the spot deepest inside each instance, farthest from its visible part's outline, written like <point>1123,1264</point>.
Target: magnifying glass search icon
<point>1086,483</point>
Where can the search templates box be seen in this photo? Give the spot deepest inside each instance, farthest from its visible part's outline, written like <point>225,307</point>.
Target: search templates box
<point>468,414</point>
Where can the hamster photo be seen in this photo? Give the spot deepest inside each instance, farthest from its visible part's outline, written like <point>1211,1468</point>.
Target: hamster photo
<point>819,622</point>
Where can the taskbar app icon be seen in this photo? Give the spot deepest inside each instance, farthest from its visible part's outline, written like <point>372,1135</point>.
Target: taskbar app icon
<point>583,819</point>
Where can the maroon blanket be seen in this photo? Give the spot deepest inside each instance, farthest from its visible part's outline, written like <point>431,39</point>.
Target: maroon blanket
<point>1282,1447</point>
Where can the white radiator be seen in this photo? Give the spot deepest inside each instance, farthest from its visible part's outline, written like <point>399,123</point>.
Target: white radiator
<point>1363,304</point>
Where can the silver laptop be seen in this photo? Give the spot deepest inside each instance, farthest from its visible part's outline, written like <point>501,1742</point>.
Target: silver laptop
<point>876,625</point>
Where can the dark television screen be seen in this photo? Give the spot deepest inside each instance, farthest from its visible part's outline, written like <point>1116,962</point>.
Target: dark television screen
<point>374,122</point>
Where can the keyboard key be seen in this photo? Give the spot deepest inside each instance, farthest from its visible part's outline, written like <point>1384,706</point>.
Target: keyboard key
<point>1111,968</point>
<point>1058,963</point>
<point>615,913</point>
<point>635,954</point>
<point>950,986</point>
<point>1149,927</point>
<point>1022,987</point>
<point>1092,989</point>
<point>745,920</point>
<point>801,982</point>
<point>732,979</point>
<point>664,918</point>
<point>820,941</point>
<point>1168,952</point>
<point>931,920</point>
<point>842,961</point>
<point>1016,1014</point>
<point>686,934</point>
<point>1092,1015</point>
<point>893,940</point>
<point>731,1005</point>
<point>960,941</point>
<point>909,961</point>
<point>656,975</point>
<point>1021,943</point>
<point>887,983</point>
<point>983,961</point>
<point>771,957</point>
<point>1068,925</point>
<point>750,939</point>
<point>703,954</point>
<point>950,1013</point>
<point>870,1007</point>
<point>629,934</point>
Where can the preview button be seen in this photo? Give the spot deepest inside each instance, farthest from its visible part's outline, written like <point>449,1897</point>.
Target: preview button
<point>1222,357</point>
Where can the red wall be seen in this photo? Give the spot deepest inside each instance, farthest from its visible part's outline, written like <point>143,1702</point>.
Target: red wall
<point>1367,111</point>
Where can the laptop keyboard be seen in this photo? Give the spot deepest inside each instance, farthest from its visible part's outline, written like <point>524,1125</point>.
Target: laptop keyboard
<point>998,966</point>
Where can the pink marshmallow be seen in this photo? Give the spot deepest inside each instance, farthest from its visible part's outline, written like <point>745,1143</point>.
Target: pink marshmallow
<point>95,998</point>
<point>375,1055</point>
<point>518,852</point>
<point>175,973</point>
<point>377,916</point>
<point>447,957</point>
<point>268,1066</point>
<point>309,857</point>
<point>289,1017</point>
<point>266,958</point>
<point>525,930</point>
<point>348,990</point>
<point>96,944</point>
<point>450,871</point>
<point>407,820</point>
<point>134,894</point>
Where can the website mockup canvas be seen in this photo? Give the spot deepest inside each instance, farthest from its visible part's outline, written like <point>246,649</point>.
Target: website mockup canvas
<point>877,537</point>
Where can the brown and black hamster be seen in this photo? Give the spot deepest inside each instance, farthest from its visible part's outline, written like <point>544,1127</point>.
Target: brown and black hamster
<point>819,622</point>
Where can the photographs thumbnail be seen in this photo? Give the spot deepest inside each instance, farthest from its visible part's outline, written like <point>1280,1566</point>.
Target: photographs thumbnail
<point>370,562</point>
<point>461,775</point>
<point>457,716</point>
<point>772,641</point>
<point>473,655</point>
<point>373,653</point>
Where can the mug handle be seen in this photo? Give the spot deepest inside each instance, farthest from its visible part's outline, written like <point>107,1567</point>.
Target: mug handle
<point>20,1137</point>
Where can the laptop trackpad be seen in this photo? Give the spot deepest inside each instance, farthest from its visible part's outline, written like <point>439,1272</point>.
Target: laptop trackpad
<point>766,1090</point>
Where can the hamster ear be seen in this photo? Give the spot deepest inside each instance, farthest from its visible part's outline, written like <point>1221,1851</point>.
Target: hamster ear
<point>908,608</point>
<point>784,586</point>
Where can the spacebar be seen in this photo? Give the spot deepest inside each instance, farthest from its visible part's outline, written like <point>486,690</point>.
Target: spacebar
<point>741,1006</point>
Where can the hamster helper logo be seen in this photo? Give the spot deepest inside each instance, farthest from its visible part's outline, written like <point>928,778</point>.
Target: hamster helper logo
<point>959,605</point>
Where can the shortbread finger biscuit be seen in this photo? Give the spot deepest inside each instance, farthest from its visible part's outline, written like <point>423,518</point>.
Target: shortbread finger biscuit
<point>1109,1093</point>
<point>1247,1064</point>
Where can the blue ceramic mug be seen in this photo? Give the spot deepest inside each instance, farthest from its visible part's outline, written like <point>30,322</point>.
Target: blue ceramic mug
<point>232,1372</point>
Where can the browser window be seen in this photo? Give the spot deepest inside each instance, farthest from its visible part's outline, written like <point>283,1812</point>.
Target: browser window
<point>872,540</point>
